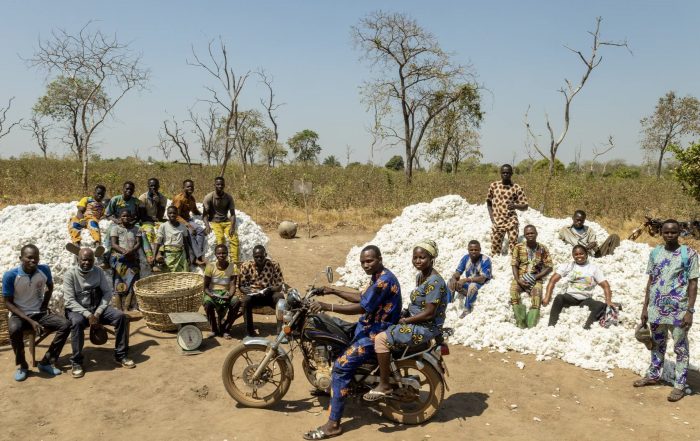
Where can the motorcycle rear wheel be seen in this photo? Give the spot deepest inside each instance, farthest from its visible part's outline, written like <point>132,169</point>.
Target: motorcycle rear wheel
<point>237,371</point>
<point>427,400</point>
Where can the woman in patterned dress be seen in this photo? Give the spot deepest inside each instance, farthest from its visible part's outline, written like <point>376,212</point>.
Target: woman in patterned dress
<point>426,315</point>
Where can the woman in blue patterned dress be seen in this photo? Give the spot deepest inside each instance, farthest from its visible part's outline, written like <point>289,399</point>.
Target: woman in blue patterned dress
<point>426,315</point>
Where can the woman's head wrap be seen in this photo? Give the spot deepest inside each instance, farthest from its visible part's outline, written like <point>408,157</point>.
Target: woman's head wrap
<point>429,246</point>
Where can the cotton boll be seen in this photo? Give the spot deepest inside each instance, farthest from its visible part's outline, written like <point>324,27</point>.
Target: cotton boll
<point>45,225</point>
<point>452,222</point>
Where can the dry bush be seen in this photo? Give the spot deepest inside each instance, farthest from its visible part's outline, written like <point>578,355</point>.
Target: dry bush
<point>359,196</point>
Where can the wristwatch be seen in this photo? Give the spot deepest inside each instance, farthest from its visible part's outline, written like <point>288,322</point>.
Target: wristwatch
<point>691,310</point>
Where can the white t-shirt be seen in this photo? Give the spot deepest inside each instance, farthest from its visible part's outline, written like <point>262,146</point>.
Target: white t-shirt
<point>582,279</point>
<point>170,235</point>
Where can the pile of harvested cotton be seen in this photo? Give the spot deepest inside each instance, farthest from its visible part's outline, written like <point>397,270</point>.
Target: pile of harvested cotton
<point>45,225</point>
<point>452,223</point>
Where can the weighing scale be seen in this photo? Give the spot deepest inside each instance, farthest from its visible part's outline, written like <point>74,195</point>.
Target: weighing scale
<point>189,336</point>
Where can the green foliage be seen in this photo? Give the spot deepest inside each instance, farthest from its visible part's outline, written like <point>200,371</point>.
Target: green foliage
<point>395,163</point>
<point>543,165</point>
<point>688,170</point>
<point>65,96</point>
<point>331,161</point>
<point>626,172</point>
<point>305,146</point>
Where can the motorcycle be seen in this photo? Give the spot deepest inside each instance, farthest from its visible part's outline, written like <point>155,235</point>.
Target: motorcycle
<point>258,372</point>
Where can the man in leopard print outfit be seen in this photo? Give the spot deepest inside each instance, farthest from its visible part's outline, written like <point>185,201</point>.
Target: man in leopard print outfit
<point>259,274</point>
<point>503,199</point>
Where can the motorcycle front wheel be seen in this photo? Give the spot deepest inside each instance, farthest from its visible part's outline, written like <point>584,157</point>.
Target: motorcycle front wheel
<point>238,371</point>
<point>411,405</point>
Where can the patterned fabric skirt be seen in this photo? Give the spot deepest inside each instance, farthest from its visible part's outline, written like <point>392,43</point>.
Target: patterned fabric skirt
<point>175,259</point>
<point>402,335</point>
<point>125,272</point>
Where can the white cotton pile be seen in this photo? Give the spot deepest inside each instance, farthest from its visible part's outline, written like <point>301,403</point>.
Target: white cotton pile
<point>45,225</point>
<point>452,223</point>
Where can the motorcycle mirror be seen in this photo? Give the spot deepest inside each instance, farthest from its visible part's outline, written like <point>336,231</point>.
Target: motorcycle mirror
<point>329,274</point>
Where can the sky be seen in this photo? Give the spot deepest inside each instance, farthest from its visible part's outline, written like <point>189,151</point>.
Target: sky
<point>516,49</point>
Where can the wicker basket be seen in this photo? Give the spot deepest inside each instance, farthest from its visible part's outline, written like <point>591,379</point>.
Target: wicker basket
<point>161,294</point>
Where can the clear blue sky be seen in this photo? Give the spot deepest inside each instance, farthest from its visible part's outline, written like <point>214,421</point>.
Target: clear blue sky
<point>515,48</point>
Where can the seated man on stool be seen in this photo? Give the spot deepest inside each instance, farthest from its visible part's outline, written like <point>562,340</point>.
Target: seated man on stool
<point>87,293</point>
<point>27,290</point>
<point>259,274</point>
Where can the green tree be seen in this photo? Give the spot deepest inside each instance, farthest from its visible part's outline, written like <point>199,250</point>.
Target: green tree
<point>395,163</point>
<point>331,161</point>
<point>416,79</point>
<point>89,66</point>
<point>673,118</point>
<point>688,170</point>
<point>305,146</point>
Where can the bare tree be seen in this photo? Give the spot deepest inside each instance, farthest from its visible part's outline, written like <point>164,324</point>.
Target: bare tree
<point>225,95</point>
<point>98,62</point>
<point>175,135</point>
<point>603,150</point>
<point>417,80</point>
<point>4,128</point>
<point>205,128</point>
<point>591,61</point>
<point>40,132</point>
<point>273,149</point>
<point>164,146</point>
<point>673,118</point>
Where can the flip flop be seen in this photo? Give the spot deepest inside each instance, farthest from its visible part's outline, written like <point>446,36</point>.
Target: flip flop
<point>376,395</point>
<point>318,433</point>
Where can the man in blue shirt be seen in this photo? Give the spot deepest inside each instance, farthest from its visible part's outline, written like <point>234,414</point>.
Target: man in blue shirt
<point>476,268</point>
<point>27,290</point>
<point>380,306</point>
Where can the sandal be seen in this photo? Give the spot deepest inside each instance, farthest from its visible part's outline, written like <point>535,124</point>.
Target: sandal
<point>318,433</point>
<point>646,381</point>
<point>376,395</point>
<point>676,394</point>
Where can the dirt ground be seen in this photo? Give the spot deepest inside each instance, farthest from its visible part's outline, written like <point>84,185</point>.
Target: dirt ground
<point>173,397</point>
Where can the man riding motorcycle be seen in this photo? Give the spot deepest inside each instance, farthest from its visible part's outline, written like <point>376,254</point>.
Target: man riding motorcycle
<point>380,306</point>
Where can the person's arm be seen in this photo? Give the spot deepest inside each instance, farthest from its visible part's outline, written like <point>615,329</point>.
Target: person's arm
<point>15,310</point>
<point>106,288</point>
<point>556,277</point>
<point>187,243</point>
<point>692,295</point>
<point>645,313</point>
<point>195,209</point>
<point>115,244</point>
<point>347,294</point>
<point>47,296</point>
<point>542,274</point>
<point>138,243</point>
<point>606,290</point>
<point>207,283</point>
<point>520,201</point>
<point>548,265</point>
<point>480,279</point>
<point>592,240</point>
<point>454,281</point>
<point>426,314</point>
<point>80,212</point>
<point>489,204</point>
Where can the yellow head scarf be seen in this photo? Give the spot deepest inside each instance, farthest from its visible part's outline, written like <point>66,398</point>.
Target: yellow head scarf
<point>429,246</point>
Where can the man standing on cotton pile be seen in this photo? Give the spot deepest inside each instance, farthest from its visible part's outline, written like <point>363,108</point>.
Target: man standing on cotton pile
<point>669,305</point>
<point>531,263</point>
<point>503,199</point>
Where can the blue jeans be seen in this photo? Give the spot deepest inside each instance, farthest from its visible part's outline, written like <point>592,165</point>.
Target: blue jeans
<point>110,316</point>
<point>50,322</point>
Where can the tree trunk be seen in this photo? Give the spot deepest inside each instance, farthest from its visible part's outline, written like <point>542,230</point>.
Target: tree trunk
<point>661,160</point>
<point>409,164</point>
<point>85,170</point>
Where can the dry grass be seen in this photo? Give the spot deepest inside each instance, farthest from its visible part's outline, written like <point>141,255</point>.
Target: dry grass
<point>360,197</point>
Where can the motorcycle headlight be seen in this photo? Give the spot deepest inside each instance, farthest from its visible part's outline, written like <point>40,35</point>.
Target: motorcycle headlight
<point>280,309</point>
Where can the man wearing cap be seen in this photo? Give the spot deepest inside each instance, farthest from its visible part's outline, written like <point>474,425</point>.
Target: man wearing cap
<point>669,305</point>
<point>87,293</point>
